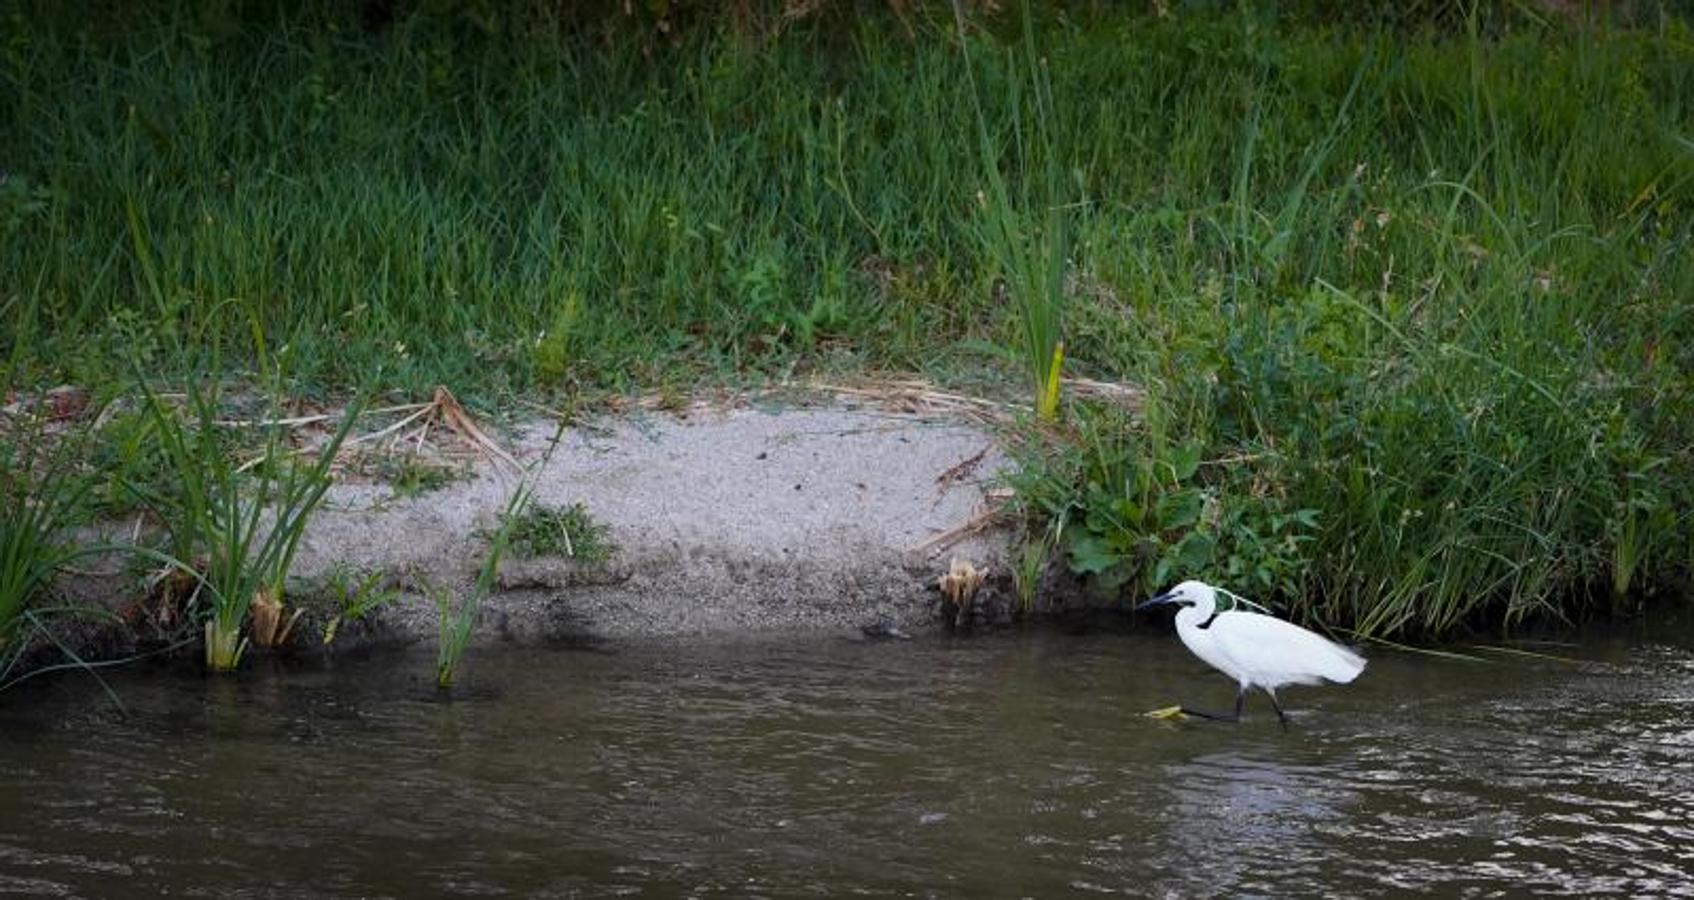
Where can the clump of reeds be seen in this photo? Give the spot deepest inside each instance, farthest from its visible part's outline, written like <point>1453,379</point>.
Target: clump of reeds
<point>236,525</point>
<point>1027,233</point>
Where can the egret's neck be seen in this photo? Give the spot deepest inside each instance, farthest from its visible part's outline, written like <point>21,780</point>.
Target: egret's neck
<point>1197,616</point>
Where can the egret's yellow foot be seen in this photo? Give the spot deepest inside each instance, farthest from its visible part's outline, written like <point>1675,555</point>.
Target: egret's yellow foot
<point>1169,712</point>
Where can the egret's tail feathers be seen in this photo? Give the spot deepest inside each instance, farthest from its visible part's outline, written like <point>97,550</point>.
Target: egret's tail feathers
<point>1345,665</point>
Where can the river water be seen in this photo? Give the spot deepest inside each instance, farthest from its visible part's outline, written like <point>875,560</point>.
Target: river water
<point>1011,765</point>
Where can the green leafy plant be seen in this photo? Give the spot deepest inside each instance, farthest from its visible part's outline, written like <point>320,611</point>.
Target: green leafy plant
<point>1142,520</point>
<point>1263,550</point>
<point>1137,512</point>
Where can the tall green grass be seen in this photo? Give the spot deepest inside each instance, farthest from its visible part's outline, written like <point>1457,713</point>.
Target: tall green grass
<point>1027,234</point>
<point>1429,285</point>
<point>510,212</point>
<point>1430,392</point>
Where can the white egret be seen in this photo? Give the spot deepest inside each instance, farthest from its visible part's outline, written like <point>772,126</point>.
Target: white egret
<point>1254,649</point>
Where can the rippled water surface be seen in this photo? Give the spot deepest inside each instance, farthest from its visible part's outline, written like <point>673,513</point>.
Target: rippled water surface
<point>1001,766</point>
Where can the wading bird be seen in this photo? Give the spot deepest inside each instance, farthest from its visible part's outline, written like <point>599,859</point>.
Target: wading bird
<point>1254,649</point>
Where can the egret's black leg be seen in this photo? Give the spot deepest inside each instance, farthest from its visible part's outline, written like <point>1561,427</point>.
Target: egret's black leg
<point>1240,701</point>
<point>1281,716</point>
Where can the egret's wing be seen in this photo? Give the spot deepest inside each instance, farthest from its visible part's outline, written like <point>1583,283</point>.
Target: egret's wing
<point>1203,642</point>
<point>1271,651</point>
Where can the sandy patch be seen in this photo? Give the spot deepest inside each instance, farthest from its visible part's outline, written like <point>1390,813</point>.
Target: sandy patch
<point>739,520</point>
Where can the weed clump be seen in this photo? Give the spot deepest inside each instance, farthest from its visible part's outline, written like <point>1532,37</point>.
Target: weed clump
<point>354,595</point>
<point>410,475</point>
<point>569,531</point>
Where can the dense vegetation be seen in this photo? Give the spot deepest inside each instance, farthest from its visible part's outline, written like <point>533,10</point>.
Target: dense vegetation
<point>1411,302</point>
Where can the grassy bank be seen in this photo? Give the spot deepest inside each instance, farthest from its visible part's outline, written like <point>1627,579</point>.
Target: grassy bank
<point>1413,308</point>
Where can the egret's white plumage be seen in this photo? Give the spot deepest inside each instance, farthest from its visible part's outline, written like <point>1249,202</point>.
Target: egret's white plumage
<point>1254,649</point>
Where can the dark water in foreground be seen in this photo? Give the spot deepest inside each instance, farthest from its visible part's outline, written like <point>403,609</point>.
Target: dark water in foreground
<point>1003,766</point>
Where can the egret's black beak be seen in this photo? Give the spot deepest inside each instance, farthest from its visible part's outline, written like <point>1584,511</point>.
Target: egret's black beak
<point>1160,600</point>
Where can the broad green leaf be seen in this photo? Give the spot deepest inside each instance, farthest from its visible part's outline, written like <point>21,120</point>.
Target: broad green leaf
<point>1091,554</point>
<point>1195,551</point>
<point>1185,461</point>
<point>1179,510</point>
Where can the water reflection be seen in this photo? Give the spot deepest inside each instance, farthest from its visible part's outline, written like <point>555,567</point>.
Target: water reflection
<point>1227,812</point>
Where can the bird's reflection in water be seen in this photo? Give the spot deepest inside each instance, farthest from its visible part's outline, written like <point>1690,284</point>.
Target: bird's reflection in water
<point>1243,823</point>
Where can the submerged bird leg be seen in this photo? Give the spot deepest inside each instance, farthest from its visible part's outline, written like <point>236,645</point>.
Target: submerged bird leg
<point>1240,701</point>
<point>1281,716</point>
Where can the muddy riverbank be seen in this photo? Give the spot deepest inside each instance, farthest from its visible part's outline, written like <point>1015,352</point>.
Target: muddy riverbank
<point>718,521</point>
